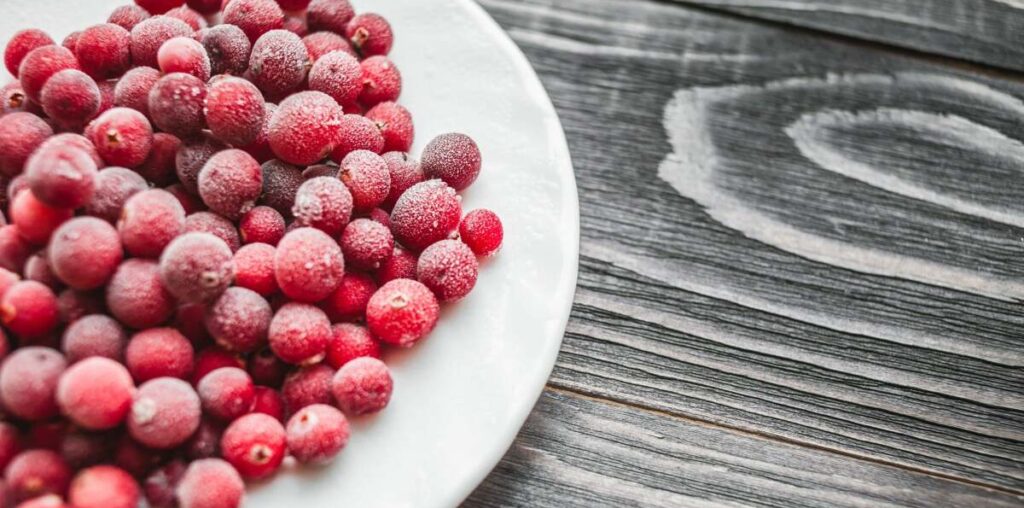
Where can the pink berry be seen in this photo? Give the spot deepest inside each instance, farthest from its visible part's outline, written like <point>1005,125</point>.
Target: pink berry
<point>14,100</point>
<point>395,124</point>
<point>254,17</point>
<point>357,133</point>
<point>329,15</point>
<point>370,34</point>
<point>159,6</point>
<point>316,434</point>
<point>37,268</point>
<point>132,90</point>
<point>36,220</point>
<point>196,267</point>
<point>254,444</point>
<point>381,81</point>
<point>254,268</point>
<point>159,352</point>
<point>209,222</point>
<point>127,16</point>
<point>260,149</point>
<point>211,359</point>
<point>151,33</point>
<point>76,141</point>
<point>366,243</point>
<point>122,136</point>
<point>61,175</point>
<point>113,187</point>
<point>278,63</point>
<point>94,335</point>
<point>401,265</point>
<point>308,265</point>
<point>159,167</point>
<point>266,369</point>
<point>367,177</point>
<point>176,104</point>
<point>304,127</point>
<point>405,172</point>
<point>321,43</point>
<point>239,320</point>
<point>348,302</point>
<point>402,312</point>
<point>184,54</point>
<point>210,483</point>
<point>307,386</point>
<point>348,342</point>
<point>10,443</point>
<point>426,213</point>
<point>21,45</point>
<point>323,203</point>
<point>191,157</point>
<point>164,413</point>
<point>449,268</point>
<point>95,393</point>
<point>149,221</point>
<point>193,19</point>
<point>320,170</point>
<point>339,75</point>
<point>20,135</point>
<point>104,487</point>
<point>35,473</point>
<point>29,309</point>
<point>47,501</point>
<point>362,386</point>
<point>40,64</point>
<point>28,382</point>
<point>281,181</point>
<point>229,49</point>
<point>299,333</point>
<point>104,51</point>
<point>70,97</point>
<point>453,158</point>
<point>137,297</point>
<point>73,305</point>
<point>234,111</point>
<point>204,6</point>
<point>84,252</point>
<point>226,393</point>
<point>230,183</point>
<point>262,225</point>
<point>268,402</point>
<point>7,279</point>
<point>205,442</point>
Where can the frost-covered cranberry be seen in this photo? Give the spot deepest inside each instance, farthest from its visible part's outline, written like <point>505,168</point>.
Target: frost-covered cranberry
<point>193,19</point>
<point>281,181</point>
<point>21,44</point>
<point>36,220</point>
<point>95,393</point>
<point>320,170</point>
<point>230,183</point>
<point>81,449</point>
<point>176,104</point>
<point>402,312</point>
<point>184,54</point>
<point>20,135</point>
<point>254,444</point>
<point>395,124</point>
<point>381,81</point>
<point>339,75</point>
<point>211,359</point>
<point>366,175</point>
<point>122,136</point>
<point>234,111</point>
<point>357,133</point>
<point>362,386</point>
<point>454,158</point>
<point>239,320</point>
<point>84,252</point>
<point>268,402</point>
<point>73,305</point>
<point>160,484</point>
<point>260,149</point>
<point>210,483</point>
<point>132,90</point>
<point>254,17</point>
<point>205,442</point>
<point>266,369</point>
<point>323,203</point>
<point>28,383</point>
<point>37,268</point>
<point>149,221</point>
<point>228,48</point>
<point>70,98</point>
<point>159,6</point>
<point>317,433</point>
<point>159,352</point>
<point>254,268</point>
<point>138,460</point>
<point>348,302</point>
<point>370,34</point>
<point>127,16</point>
<point>29,309</point>
<point>348,342</point>
<point>449,268</point>
<point>191,157</point>
<point>304,127</point>
<point>366,243</point>
<point>226,393</point>
<point>104,487</point>
<point>278,63</point>
<point>14,100</point>
<point>321,43</point>
<point>94,335</point>
<point>42,63</point>
<point>426,213</point>
<point>308,265</point>
<point>262,224</point>
<point>330,15</point>
<point>405,172</point>
<point>216,225</point>
<point>104,51</point>
<point>205,6</point>
<point>401,265</point>
<point>151,33</point>
<point>10,443</point>
<point>482,231</point>
<point>7,279</point>
<point>137,297</point>
<point>36,473</point>
<point>113,187</point>
<point>107,88</point>
<point>164,414</point>
<point>61,175</point>
<point>196,267</point>
<point>299,333</point>
<point>159,166</point>
<point>307,386</point>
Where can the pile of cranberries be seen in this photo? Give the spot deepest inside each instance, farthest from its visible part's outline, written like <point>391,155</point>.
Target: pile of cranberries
<point>213,230</point>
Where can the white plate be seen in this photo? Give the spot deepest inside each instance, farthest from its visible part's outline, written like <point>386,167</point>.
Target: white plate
<point>462,395</point>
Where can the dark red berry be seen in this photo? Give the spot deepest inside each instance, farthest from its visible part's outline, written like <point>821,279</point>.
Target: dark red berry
<point>454,158</point>
<point>84,252</point>
<point>239,320</point>
<point>159,486</point>
<point>193,19</point>
<point>228,48</point>
<point>329,15</point>
<point>35,473</point>
<point>230,183</point>
<point>176,104</point>
<point>159,352</point>
<point>149,221</point>
<point>401,265</point>
<point>426,213</point>
<point>113,187</point>
<point>260,149</point>
<point>159,167</point>
<point>281,181</point>
<point>307,386</point>
<point>37,268</point>
<point>299,333</point>
<point>366,244</point>
<point>278,63</point>
<point>70,98</point>
<point>159,6</point>
<point>191,157</point>
<point>482,231</point>
<point>321,43</point>
<point>196,267</point>
<point>366,175</point>
<point>28,383</point>
<point>137,297</point>
<point>266,368</point>
<point>234,111</point>
<point>449,268</point>
<point>132,90</point>
<point>204,6</point>
<point>402,312</point>
<point>73,305</point>
<point>14,100</point>
<point>211,359</point>
<point>405,172</point>
<point>104,51</point>
<point>269,402</point>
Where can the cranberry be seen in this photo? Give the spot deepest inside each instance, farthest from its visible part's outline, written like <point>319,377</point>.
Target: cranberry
<point>348,342</point>
<point>149,221</point>
<point>21,44</point>
<point>61,176</point>
<point>405,172</point>
<point>260,149</point>
<point>278,63</point>
<point>323,203</point>
<point>95,393</point>
<point>104,51</point>
<point>262,224</point>
<point>210,483</point>
<point>94,335</point>
<point>84,252</point>
<point>226,393</point>
<point>137,297</point>
<point>449,268</point>
<point>35,473</point>
<point>113,187</point>
<point>319,44</point>
<point>299,333</point>
<point>104,487</point>
<point>402,312</point>
<point>132,90</point>
<point>254,17</point>
<point>191,157</point>
<point>160,485</point>
<point>73,305</point>
<point>308,265</point>
<point>122,136</point>
<point>401,265</point>
<point>159,166</point>
<point>316,434</point>
<point>216,225</point>
<point>395,124</point>
<point>366,175</point>
<point>254,444</point>
<point>159,352</point>
<point>196,267</point>
<point>339,75</point>
<point>193,19</point>
<point>281,182</point>
<point>70,98</point>
<point>362,386</point>
<point>426,213</point>
<point>151,33</point>
<point>307,386</point>
<point>211,359</point>
<point>40,64</point>
<point>370,34</point>
<point>127,16</point>
<point>381,81</point>
<point>268,402</point>
<point>254,268</point>
<point>357,133</point>
<point>229,49</point>
<point>304,127</point>
<point>184,54</point>
<point>20,135</point>
<point>239,320</point>
<point>176,104</point>
<point>28,383</point>
<point>234,111</point>
<point>330,15</point>
<point>10,443</point>
<point>29,309</point>
<point>230,183</point>
<point>165,413</point>
<point>348,302</point>
<point>366,244</point>
<point>159,6</point>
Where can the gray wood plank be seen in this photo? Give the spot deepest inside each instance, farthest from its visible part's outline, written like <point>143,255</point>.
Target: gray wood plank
<point>985,31</point>
<point>578,452</point>
<point>789,234</point>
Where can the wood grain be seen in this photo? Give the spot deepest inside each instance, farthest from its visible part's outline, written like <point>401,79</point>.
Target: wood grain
<point>578,452</point>
<point>791,235</point>
<point>985,31</point>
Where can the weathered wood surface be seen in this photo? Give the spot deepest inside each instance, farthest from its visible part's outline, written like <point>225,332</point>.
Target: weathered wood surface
<point>985,31</point>
<point>791,235</point>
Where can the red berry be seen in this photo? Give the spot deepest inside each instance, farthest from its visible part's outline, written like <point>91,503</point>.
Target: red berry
<point>210,483</point>
<point>20,135</point>
<point>159,352</point>
<point>228,48</point>
<point>104,51</point>
<point>401,265</point>
<point>132,90</point>
<point>164,414</point>
<point>370,34</point>
<point>159,166</point>
<point>321,43</point>
<point>204,6</point>
<point>135,458</point>
<point>151,33</point>
<point>188,319</point>
<point>186,55</point>
<point>482,231</point>
<point>366,243</point>
<point>262,225</point>
<point>254,268</point>
<point>73,305</point>
<point>381,81</point>
<point>107,89</point>
<point>260,149</point>
<point>28,383</point>
<point>266,369</point>
<point>362,386</point>
<point>14,100</point>
<point>205,442</point>
<point>113,187</point>
<point>35,220</point>
<point>70,98</point>
<point>293,5</point>
<point>70,42</point>
<point>299,333</point>
<point>367,177</point>
<point>307,386</point>
<point>348,302</point>
<point>308,265</point>
<point>395,124</point>
<point>77,141</point>
<point>254,17</point>
<point>193,19</point>
<point>348,342</point>
<point>84,252</point>
<point>330,15</point>
<point>61,175</point>
<point>449,268</point>
<point>137,297</point>
<point>196,267</point>
<point>234,111</point>
<point>295,25</point>
<point>37,268</point>
<point>35,473</point>
<point>226,393</point>
<point>29,309</point>
<point>254,444</point>
<point>239,320</point>
<point>94,335</point>
<point>338,75</point>
<point>281,181</point>
<point>149,221</point>
<point>320,170</point>
<point>268,402</point>
<point>47,501</point>
<point>426,213</point>
<point>191,157</point>
<point>357,133</point>
<point>209,222</point>
<point>10,443</point>
<point>127,16</point>
<point>81,449</point>
<point>95,393</point>
<point>7,279</point>
<point>40,64</point>
<point>21,45</point>
<point>176,104</point>
<point>211,359</point>
<point>122,136</point>
<point>160,485</point>
<point>402,312</point>
<point>159,6</point>
<point>304,127</point>
<point>104,487</point>
<point>278,63</point>
<point>405,172</point>
<point>323,203</point>
<point>453,158</point>
<point>230,183</point>
<point>316,434</point>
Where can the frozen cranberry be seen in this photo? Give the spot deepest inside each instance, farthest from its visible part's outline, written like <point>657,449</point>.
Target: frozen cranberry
<point>95,393</point>
<point>262,225</point>
<point>348,342</point>
<point>210,483</point>
<point>127,16</point>
<point>20,135</point>
<point>308,265</point>
<point>307,386</point>
<point>405,172</point>
<point>122,136</point>
<point>230,183</point>
<point>196,267</point>
<point>47,435</point>
<point>239,320</point>
<point>192,156</point>
<point>28,382</point>
<point>367,177</point>
<point>47,501</point>
<point>137,297</point>
<point>293,5</point>
<point>348,302</point>
<point>70,42</point>
<point>81,449</point>
<point>401,265</point>
<point>426,213</point>
<point>176,104</point>
<point>159,6</point>
<point>205,6</point>
<point>73,305</point>
<point>234,111</point>
<point>298,333</point>
<point>159,486</point>
<point>304,127</point>
<point>135,458</point>
<point>209,222</point>
<point>186,55</point>
<point>381,81</point>
<point>226,393</point>
<point>159,352</point>
<point>337,74</point>
<point>61,176</point>
<point>40,64</point>
<point>193,19</point>
<point>453,158</point>
<point>37,268</point>
<point>319,44</point>
<point>254,268</point>
<point>281,181</point>
<point>449,268</point>
<point>211,359</point>
<point>266,369</point>
<point>21,44</point>
<point>84,252</point>
<point>316,434</point>
<point>323,203</point>
<point>228,48</point>
<point>35,473</point>
<point>132,90</point>
<point>188,201</point>
<point>76,141</point>
<point>205,442</point>
<point>362,386</point>
<point>278,63</point>
<point>366,243</point>
<point>159,167</point>
<point>482,231</point>
<point>7,279</point>
<point>254,17</point>
<point>150,34</point>
<point>94,335</point>
<point>104,51</point>
<point>395,124</point>
<point>296,25</point>
<point>320,170</point>
<point>330,15</point>
<point>10,443</point>
<point>370,34</point>
<point>113,187</point>
<point>357,133</point>
<point>14,100</point>
<point>149,221</point>
<point>188,319</point>
<point>268,402</point>
<point>254,444</point>
<point>402,312</point>
<point>164,414</point>
<point>107,89</point>
<point>70,97</point>
<point>104,487</point>
<point>29,309</point>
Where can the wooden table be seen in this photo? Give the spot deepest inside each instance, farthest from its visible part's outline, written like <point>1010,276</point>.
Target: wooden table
<point>802,255</point>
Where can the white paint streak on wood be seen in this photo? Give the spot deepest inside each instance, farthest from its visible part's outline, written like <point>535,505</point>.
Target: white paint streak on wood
<point>583,48</point>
